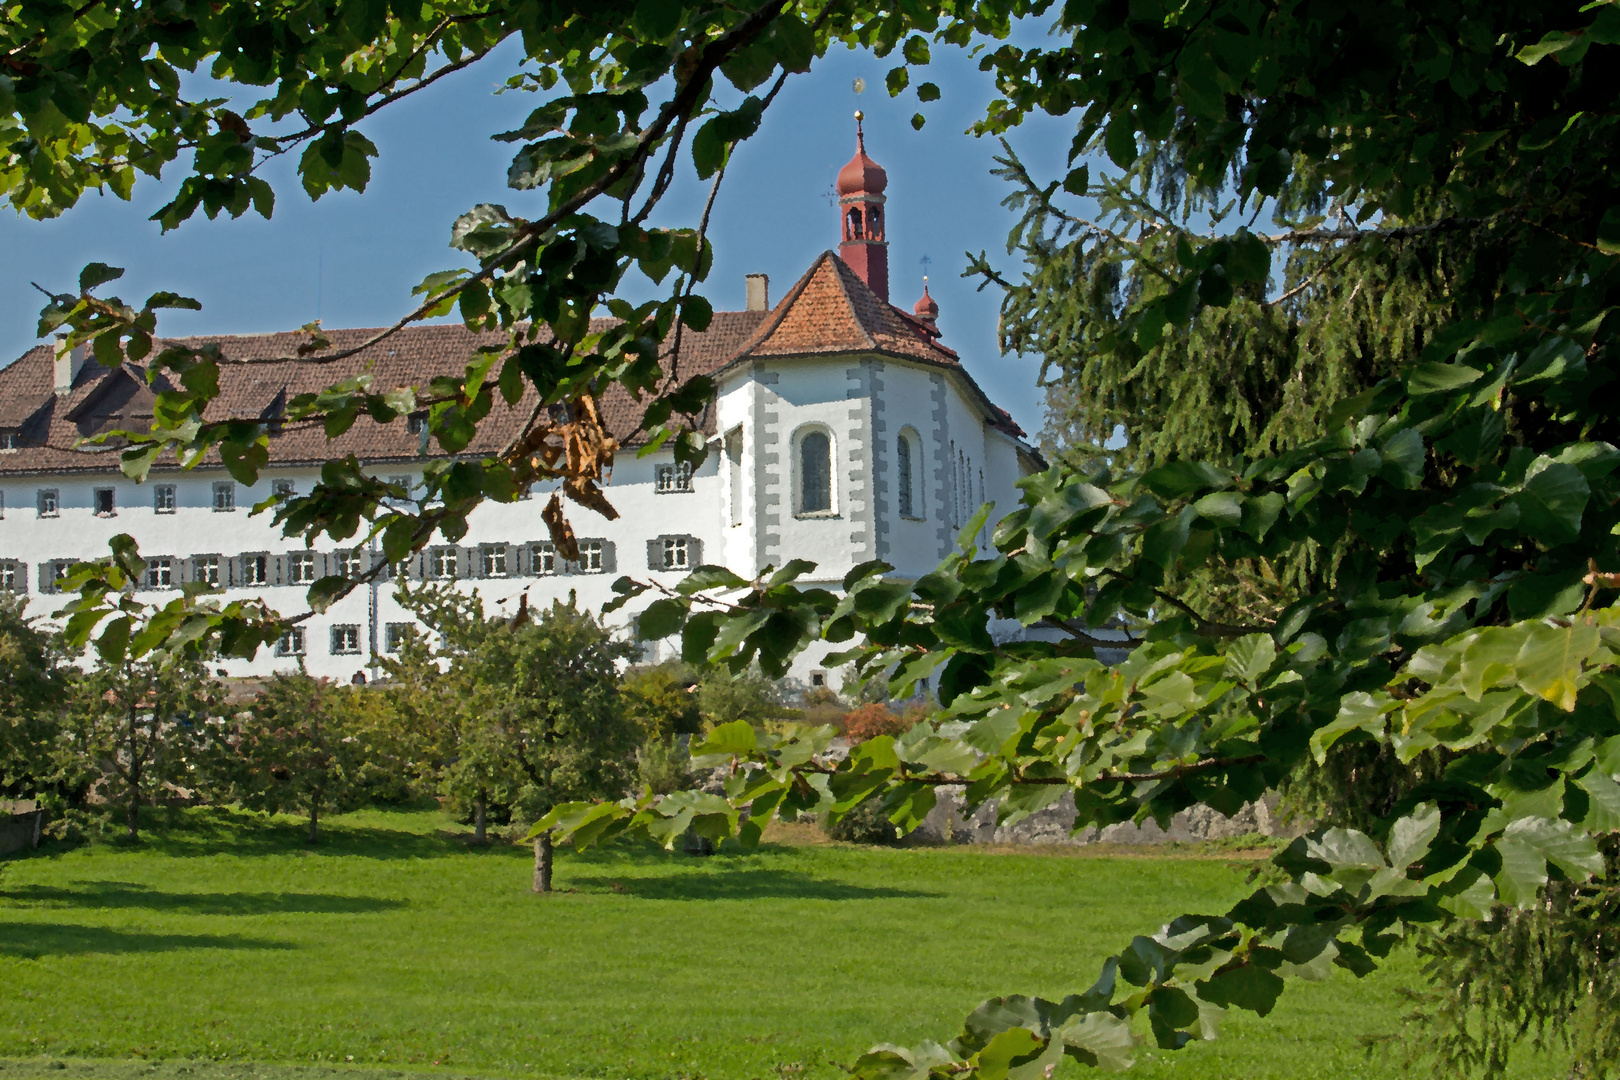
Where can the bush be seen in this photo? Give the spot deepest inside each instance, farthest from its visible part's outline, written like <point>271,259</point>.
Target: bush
<point>663,766</point>
<point>868,823</point>
<point>870,721</point>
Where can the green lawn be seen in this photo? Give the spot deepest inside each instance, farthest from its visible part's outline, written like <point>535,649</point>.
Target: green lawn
<point>396,945</point>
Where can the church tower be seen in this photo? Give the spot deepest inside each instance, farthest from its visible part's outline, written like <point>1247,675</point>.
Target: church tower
<point>860,204</point>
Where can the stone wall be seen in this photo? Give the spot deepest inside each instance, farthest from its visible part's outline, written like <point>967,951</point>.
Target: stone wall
<point>947,824</point>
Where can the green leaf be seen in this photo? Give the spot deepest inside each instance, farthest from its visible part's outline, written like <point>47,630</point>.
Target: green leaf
<point>1608,234</point>
<point>1248,987</point>
<point>1550,660</point>
<point>1120,140</point>
<point>1250,657</point>
<point>661,619</point>
<point>1552,501</point>
<point>96,273</point>
<point>734,739</point>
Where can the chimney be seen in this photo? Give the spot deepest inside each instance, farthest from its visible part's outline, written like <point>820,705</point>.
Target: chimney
<point>759,292</point>
<point>69,362</point>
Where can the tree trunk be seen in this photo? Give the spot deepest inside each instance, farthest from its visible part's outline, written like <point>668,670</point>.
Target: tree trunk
<point>132,812</point>
<point>314,820</point>
<point>542,863</point>
<point>480,820</point>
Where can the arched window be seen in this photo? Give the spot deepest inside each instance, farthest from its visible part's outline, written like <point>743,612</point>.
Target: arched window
<point>854,223</point>
<point>815,473</point>
<point>907,488</point>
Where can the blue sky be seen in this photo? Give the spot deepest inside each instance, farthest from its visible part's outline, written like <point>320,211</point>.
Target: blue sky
<point>351,259</point>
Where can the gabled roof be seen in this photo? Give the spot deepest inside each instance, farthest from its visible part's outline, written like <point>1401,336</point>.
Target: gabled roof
<point>830,310</point>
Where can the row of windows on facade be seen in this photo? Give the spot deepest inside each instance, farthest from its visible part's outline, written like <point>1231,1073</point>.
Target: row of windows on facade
<point>343,639</point>
<point>535,559</point>
<point>670,479</point>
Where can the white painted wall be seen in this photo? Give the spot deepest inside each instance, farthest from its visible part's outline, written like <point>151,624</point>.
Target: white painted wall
<point>863,403</point>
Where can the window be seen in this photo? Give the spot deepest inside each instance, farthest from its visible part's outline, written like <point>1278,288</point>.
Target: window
<point>205,568</point>
<point>590,557</point>
<point>10,440</point>
<point>494,560</point>
<point>282,487</point>
<point>13,576</point>
<point>301,568</point>
<point>256,569</point>
<point>403,483</point>
<point>163,499</point>
<point>224,497</point>
<point>904,475</point>
<point>544,560</point>
<point>734,473</point>
<point>292,642</point>
<point>442,562</point>
<point>50,505</point>
<point>51,574</point>
<point>675,552</point>
<point>416,424</point>
<point>395,635</point>
<point>815,473</point>
<point>159,573</point>
<point>351,563</point>
<point>345,640</point>
<point>674,479</point>
<point>818,679</point>
<point>104,502</point>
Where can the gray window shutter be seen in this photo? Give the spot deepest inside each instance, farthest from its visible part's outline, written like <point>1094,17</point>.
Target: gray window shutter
<point>694,553</point>
<point>467,562</point>
<point>278,570</point>
<point>45,577</point>
<point>232,571</point>
<point>655,554</point>
<point>22,578</point>
<point>610,557</point>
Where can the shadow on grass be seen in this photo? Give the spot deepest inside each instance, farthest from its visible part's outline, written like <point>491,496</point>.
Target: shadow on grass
<point>122,894</point>
<point>221,830</point>
<point>743,884</point>
<point>30,941</point>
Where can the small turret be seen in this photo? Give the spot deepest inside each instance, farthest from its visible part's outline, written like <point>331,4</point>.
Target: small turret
<point>860,204</point>
<point>927,309</point>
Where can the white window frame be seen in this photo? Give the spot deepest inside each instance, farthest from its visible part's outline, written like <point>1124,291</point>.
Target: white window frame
<point>224,496</point>
<point>494,561</point>
<point>50,502</point>
<point>351,563</point>
<point>292,642</point>
<point>394,634</point>
<point>159,573</point>
<point>543,559</point>
<point>112,502</point>
<point>10,570</point>
<point>345,639</point>
<point>677,552</point>
<point>164,499</point>
<point>300,568</point>
<point>911,482</point>
<point>283,487</point>
<point>436,563</point>
<point>591,557</point>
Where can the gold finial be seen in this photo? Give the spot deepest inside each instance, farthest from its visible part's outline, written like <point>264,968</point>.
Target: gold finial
<point>859,116</point>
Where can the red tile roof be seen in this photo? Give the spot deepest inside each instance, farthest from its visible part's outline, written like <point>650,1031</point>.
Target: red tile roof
<point>830,311</point>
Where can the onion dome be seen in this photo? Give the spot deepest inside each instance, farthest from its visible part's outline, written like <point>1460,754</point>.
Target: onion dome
<point>926,309</point>
<point>862,175</point>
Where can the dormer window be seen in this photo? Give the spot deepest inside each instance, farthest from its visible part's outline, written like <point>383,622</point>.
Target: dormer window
<point>10,440</point>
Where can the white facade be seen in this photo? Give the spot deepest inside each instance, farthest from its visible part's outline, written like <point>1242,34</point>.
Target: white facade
<point>743,508</point>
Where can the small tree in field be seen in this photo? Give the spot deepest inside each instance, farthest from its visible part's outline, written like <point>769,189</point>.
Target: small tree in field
<point>145,725</point>
<point>305,746</point>
<point>538,718</point>
<point>31,685</point>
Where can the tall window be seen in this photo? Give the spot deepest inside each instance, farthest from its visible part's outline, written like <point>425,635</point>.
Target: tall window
<point>394,635</point>
<point>590,557</point>
<point>224,497</point>
<point>734,472</point>
<point>815,473</point>
<point>163,499</point>
<point>349,563</point>
<point>545,560</point>
<point>676,553</point>
<point>301,568</point>
<point>104,502</point>
<point>282,487</point>
<point>11,574</point>
<point>902,462</point>
<point>50,505</point>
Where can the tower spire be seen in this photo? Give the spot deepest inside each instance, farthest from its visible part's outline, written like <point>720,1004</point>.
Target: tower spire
<point>864,245</point>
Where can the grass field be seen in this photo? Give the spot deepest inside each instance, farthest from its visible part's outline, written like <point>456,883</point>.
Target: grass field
<point>396,946</point>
